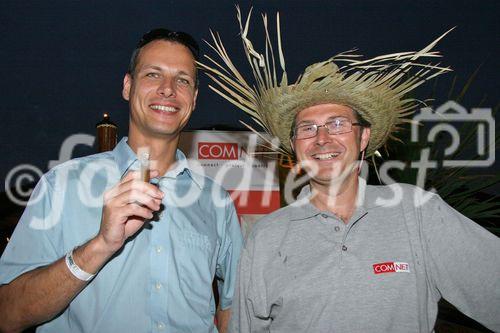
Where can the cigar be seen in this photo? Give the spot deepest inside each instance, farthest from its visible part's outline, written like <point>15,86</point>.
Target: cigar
<point>144,164</point>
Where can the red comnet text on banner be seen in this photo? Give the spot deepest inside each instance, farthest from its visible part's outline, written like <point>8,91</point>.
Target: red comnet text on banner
<point>217,151</point>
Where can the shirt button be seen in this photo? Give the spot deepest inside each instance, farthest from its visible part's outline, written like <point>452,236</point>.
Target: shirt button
<point>158,249</point>
<point>158,285</point>
<point>337,228</point>
<point>160,326</point>
<point>324,215</point>
<point>344,248</point>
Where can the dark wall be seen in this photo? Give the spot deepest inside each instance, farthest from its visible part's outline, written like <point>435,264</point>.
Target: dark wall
<point>62,62</point>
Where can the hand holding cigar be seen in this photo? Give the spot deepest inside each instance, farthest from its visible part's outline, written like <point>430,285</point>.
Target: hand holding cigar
<point>145,174</point>
<point>144,164</point>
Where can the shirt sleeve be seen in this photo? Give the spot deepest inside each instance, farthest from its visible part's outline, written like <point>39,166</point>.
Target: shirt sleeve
<point>463,260</point>
<point>249,312</point>
<point>227,261</point>
<point>30,246</point>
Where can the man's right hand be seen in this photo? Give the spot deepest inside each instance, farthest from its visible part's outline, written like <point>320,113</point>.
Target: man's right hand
<point>126,207</point>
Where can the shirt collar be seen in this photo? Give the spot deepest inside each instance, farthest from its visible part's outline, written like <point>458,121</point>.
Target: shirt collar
<point>127,160</point>
<point>124,156</point>
<point>303,209</point>
<point>181,165</point>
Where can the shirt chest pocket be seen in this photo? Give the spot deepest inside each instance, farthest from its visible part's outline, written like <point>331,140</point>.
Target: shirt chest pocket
<point>195,264</point>
<point>194,241</point>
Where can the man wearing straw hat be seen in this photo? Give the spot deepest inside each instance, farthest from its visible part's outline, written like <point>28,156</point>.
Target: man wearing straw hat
<point>346,256</point>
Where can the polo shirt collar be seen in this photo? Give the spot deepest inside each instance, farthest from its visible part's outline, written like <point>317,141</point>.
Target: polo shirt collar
<point>126,160</point>
<point>303,209</point>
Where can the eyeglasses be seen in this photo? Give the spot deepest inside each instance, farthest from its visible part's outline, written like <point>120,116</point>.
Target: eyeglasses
<point>336,126</point>
<point>177,36</point>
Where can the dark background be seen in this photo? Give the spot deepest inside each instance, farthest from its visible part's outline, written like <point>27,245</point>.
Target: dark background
<point>62,62</point>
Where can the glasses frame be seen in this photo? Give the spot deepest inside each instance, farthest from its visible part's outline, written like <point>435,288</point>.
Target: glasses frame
<point>325,125</point>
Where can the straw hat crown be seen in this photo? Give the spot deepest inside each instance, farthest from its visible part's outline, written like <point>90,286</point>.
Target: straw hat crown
<point>375,88</point>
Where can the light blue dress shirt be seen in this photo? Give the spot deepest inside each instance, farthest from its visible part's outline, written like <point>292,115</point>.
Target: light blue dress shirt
<point>161,280</point>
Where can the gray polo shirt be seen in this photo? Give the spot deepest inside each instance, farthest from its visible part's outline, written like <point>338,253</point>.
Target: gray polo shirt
<point>304,270</point>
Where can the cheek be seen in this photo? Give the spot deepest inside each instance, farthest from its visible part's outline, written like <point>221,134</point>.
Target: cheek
<point>300,149</point>
<point>350,141</point>
<point>354,148</point>
<point>187,98</point>
<point>187,91</point>
<point>138,92</point>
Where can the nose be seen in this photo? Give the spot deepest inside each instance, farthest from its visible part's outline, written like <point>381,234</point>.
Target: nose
<point>166,88</point>
<point>322,137</point>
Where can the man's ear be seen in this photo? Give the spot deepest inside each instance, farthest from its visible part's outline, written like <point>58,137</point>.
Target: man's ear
<point>195,96</point>
<point>127,83</point>
<point>365,138</point>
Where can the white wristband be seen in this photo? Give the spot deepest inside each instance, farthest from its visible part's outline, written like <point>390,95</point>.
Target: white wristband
<point>75,270</point>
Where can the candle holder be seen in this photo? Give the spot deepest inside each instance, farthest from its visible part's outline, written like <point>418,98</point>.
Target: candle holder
<point>106,134</point>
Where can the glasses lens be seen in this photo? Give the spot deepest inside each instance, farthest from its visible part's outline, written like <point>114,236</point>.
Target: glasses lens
<point>339,126</point>
<point>306,131</point>
<point>336,126</point>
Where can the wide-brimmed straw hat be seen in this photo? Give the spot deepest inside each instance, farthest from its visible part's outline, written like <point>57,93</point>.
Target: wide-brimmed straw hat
<point>376,88</point>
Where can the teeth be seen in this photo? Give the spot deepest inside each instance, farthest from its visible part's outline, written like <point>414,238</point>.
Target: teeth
<point>327,156</point>
<point>163,108</point>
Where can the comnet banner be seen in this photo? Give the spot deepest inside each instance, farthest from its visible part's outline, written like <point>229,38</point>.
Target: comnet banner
<point>234,160</point>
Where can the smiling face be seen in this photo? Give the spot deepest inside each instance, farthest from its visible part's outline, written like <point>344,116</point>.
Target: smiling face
<point>162,90</point>
<point>326,157</point>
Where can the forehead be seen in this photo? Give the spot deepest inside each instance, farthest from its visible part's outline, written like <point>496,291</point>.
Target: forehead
<point>322,112</point>
<point>166,55</point>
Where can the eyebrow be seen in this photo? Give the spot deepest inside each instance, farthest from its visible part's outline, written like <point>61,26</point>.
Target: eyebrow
<point>184,73</point>
<point>160,69</point>
<point>304,122</point>
<point>310,122</point>
<point>150,67</point>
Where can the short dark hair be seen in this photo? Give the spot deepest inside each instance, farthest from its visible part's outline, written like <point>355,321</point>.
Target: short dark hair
<point>167,35</point>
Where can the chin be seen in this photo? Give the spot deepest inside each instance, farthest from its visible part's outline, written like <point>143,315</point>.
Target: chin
<point>331,172</point>
<point>334,176</point>
<point>164,129</point>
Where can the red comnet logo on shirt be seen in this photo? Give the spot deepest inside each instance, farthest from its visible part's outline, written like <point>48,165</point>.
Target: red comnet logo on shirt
<point>391,267</point>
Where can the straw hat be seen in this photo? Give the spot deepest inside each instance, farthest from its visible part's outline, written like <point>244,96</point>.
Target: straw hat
<point>375,88</point>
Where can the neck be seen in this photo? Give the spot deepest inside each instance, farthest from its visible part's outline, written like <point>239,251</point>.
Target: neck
<point>162,150</point>
<point>339,198</point>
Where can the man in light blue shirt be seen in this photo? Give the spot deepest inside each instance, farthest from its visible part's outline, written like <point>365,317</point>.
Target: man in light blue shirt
<point>98,250</point>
